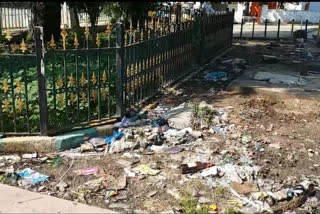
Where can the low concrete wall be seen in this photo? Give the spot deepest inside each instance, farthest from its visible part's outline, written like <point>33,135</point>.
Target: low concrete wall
<point>51,144</point>
<point>288,15</point>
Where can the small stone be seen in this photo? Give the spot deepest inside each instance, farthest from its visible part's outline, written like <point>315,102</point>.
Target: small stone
<point>246,138</point>
<point>244,188</point>
<point>122,145</point>
<point>270,128</point>
<point>119,206</point>
<point>86,147</point>
<point>97,141</point>
<point>124,163</point>
<point>67,196</point>
<point>274,145</point>
<point>151,194</point>
<point>41,188</point>
<point>197,134</point>
<point>310,153</point>
<point>129,135</point>
<point>174,192</point>
<point>180,116</point>
<point>62,186</point>
<point>204,200</point>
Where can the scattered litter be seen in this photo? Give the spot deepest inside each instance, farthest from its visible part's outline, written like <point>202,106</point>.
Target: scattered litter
<point>146,170</point>
<point>244,188</point>
<point>29,156</point>
<point>215,76</point>
<point>32,175</point>
<point>151,194</point>
<point>87,171</point>
<point>194,167</point>
<point>115,136</point>
<point>259,147</point>
<point>210,171</point>
<point>110,193</point>
<point>246,138</point>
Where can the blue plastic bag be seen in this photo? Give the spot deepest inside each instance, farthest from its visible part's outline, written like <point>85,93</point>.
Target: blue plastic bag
<point>214,76</point>
<point>33,176</point>
<point>115,136</point>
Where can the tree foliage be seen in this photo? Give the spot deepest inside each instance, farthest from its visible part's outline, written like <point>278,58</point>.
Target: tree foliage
<point>125,11</point>
<point>93,9</point>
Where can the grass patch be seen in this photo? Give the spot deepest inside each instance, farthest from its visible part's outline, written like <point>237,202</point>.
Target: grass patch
<point>191,206</point>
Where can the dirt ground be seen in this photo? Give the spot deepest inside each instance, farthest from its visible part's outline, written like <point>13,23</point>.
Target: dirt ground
<point>283,120</point>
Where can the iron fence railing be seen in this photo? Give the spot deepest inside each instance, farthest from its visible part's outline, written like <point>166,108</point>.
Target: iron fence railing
<point>271,30</point>
<point>82,80</point>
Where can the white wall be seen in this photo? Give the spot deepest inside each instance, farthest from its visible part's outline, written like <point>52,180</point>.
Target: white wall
<point>314,6</point>
<point>238,11</point>
<point>290,6</point>
<point>288,15</point>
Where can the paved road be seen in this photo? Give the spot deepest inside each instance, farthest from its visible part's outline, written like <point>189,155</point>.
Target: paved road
<point>15,200</point>
<point>285,30</point>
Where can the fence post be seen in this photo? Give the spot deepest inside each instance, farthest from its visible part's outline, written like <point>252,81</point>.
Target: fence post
<point>42,90</point>
<point>241,28</point>
<point>306,29</point>
<point>265,28</point>
<point>0,21</point>
<point>254,22</point>
<point>233,11</point>
<point>292,27</point>
<point>318,31</point>
<point>278,33</point>
<point>119,69</point>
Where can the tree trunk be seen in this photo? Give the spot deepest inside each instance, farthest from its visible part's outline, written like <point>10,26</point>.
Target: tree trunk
<point>74,18</point>
<point>52,21</point>
<point>37,11</point>
<point>93,19</point>
<point>47,15</point>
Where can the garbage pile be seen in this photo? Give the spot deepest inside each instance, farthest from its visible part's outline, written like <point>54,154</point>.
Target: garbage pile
<point>150,161</point>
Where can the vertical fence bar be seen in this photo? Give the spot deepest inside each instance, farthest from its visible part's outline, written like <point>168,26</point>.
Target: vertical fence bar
<point>77,86</point>
<point>65,83</point>
<point>253,25</point>
<point>0,21</point>
<point>318,31</point>
<point>108,78</point>
<point>41,80</point>
<point>119,69</point>
<point>88,77</point>
<point>265,28</point>
<point>306,29</point>
<point>26,93</point>
<point>292,26</point>
<point>278,33</point>
<point>241,28</point>
<point>99,84</point>
<point>13,95</point>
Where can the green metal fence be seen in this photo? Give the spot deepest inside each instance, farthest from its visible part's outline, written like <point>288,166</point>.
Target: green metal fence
<point>84,80</point>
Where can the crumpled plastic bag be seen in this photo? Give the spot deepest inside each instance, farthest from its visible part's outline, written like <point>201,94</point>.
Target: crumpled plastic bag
<point>33,176</point>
